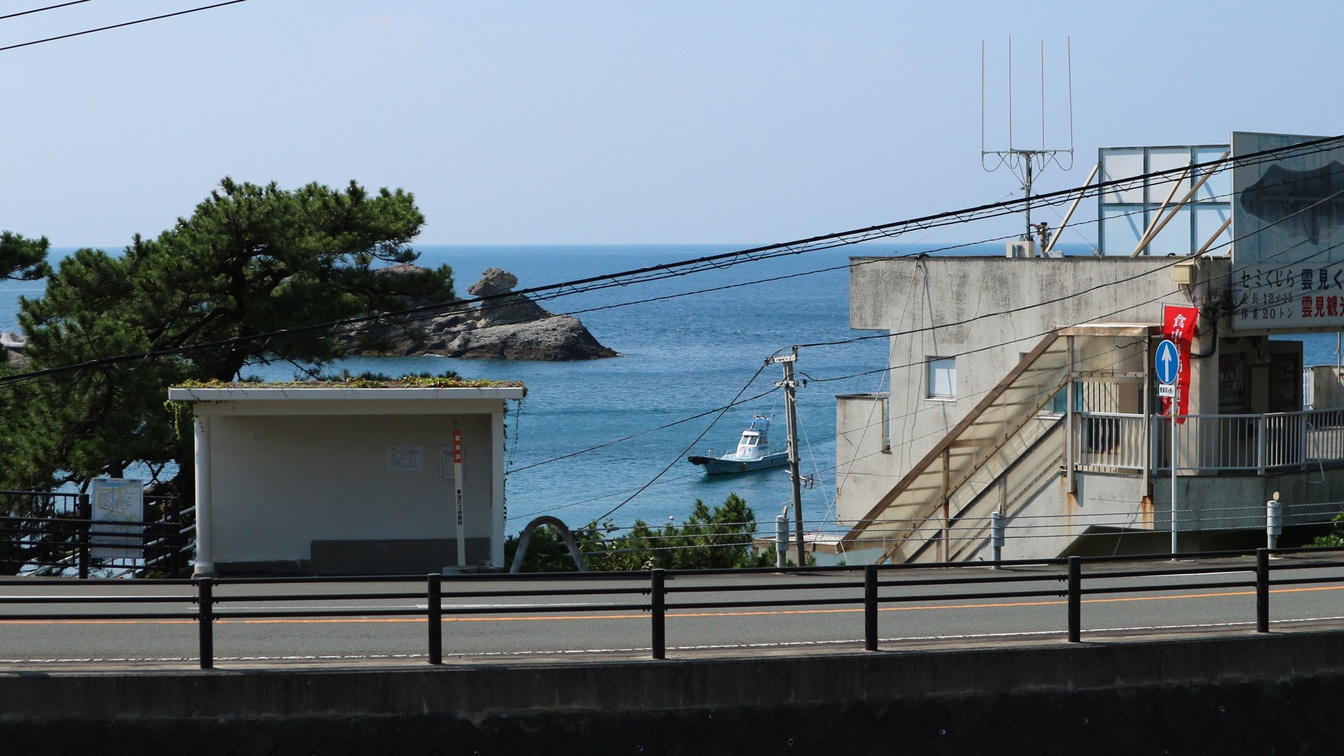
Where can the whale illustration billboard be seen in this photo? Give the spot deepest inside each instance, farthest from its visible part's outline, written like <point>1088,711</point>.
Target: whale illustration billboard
<point>1288,231</point>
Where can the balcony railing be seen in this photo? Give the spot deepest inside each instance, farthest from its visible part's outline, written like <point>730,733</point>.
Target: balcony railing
<point>1209,444</point>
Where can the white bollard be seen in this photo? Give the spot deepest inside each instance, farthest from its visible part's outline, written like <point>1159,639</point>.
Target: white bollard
<point>1274,520</point>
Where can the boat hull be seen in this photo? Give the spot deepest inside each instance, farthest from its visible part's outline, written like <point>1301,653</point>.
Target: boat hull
<point>730,466</point>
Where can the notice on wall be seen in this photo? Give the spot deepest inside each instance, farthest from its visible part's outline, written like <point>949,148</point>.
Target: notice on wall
<point>405,458</point>
<point>114,501</point>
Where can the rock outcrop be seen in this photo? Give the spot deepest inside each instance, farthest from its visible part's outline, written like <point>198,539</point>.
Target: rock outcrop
<point>503,325</point>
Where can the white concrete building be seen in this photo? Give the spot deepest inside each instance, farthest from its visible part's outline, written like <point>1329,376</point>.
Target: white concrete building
<point>1026,386</point>
<point>335,480</point>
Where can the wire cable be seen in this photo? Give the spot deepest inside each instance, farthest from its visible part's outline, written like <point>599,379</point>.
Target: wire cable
<point>112,26</point>
<point>41,10</point>
<point>690,446</point>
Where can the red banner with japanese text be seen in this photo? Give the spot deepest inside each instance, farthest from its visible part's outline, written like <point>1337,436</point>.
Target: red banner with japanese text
<point>1178,324</point>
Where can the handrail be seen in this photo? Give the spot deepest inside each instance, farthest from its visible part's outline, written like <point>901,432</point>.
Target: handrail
<point>658,592</point>
<point>1212,444</point>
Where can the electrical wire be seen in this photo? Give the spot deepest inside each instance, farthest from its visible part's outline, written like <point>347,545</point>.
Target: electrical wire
<point>113,26</point>
<point>687,267</point>
<point>41,10</point>
<point>690,446</point>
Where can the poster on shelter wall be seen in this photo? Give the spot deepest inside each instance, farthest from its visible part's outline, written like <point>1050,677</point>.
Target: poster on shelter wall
<point>1288,231</point>
<point>113,501</point>
<point>405,458</point>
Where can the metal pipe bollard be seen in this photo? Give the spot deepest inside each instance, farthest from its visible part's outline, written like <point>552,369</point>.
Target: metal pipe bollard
<point>996,535</point>
<point>434,615</point>
<point>870,607</point>
<point>1262,590</point>
<point>205,618</point>
<point>1274,520</point>
<point>781,541</point>
<point>658,612</point>
<point>1075,598</point>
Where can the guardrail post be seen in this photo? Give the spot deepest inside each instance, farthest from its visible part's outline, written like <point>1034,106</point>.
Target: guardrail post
<point>1260,445</point>
<point>205,617</point>
<point>85,522</point>
<point>1262,590</point>
<point>434,615</point>
<point>870,607</point>
<point>83,540</point>
<point>658,610</point>
<point>1075,598</point>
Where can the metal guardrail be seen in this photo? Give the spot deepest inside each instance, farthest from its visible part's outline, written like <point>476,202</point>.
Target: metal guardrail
<point>872,587</point>
<point>56,533</point>
<point>1209,444</point>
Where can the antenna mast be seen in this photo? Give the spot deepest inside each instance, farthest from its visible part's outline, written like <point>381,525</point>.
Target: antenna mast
<point>1025,163</point>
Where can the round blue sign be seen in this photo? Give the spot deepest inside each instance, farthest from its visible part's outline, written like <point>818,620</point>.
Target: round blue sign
<point>1168,361</point>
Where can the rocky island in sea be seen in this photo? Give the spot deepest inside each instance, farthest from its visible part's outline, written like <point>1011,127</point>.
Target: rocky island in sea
<point>502,324</point>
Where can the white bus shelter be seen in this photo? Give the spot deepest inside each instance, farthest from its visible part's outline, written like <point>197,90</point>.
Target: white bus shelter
<point>335,480</point>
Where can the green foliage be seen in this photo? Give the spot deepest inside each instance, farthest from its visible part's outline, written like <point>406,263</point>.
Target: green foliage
<point>23,259</point>
<point>546,551</point>
<point>1335,538</point>
<point>708,538</point>
<point>250,260</point>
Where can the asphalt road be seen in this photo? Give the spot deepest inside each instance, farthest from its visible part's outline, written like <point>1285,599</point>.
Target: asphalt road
<point>563,621</point>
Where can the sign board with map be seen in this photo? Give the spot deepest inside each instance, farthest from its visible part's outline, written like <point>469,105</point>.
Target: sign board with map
<point>117,500</point>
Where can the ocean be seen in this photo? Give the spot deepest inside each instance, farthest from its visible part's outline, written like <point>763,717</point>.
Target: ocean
<point>608,439</point>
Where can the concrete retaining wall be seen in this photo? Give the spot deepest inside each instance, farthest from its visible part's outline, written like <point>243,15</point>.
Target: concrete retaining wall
<point>1248,694</point>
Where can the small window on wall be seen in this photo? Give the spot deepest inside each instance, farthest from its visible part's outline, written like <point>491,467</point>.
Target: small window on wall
<point>942,377</point>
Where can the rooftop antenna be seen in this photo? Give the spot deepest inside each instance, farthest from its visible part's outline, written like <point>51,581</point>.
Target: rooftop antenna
<point>1023,162</point>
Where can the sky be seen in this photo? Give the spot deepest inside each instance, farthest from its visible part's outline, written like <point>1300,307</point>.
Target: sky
<point>622,122</point>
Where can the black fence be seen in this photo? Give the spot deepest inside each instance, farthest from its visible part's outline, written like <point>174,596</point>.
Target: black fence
<point>659,594</point>
<point>55,534</point>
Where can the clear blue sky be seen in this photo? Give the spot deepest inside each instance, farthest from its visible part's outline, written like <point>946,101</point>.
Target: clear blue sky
<point>621,121</point>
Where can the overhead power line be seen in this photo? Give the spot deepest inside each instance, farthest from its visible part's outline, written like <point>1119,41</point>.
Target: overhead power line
<point>41,10</point>
<point>109,27</point>
<point>688,267</point>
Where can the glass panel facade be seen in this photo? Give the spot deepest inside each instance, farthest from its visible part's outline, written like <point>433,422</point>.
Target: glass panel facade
<point>1120,164</point>
<point>1168,159</point>
<point>1175,236</point>
<point>1128,209</point>
<point>1121,228</point>
<point>1208,219</point>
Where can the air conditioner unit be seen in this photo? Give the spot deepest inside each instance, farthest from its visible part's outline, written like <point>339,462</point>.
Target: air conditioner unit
<point>1183,273</point>
<point>1022,248</point>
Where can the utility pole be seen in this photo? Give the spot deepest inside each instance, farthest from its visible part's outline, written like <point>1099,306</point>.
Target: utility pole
<point>791,416</point>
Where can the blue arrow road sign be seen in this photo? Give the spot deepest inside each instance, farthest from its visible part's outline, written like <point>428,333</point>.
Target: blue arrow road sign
<point>1168,362</point>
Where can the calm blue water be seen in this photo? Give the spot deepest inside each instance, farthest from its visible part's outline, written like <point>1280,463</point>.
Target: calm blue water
<point>681,357</point>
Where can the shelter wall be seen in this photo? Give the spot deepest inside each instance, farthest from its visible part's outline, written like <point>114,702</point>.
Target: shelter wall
<point>280,482</point>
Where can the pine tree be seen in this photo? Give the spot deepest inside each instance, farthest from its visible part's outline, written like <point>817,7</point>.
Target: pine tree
<point>251,260</point>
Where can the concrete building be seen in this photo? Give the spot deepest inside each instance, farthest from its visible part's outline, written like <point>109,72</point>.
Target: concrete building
<point>1026,387</point>
<point>338,480</point>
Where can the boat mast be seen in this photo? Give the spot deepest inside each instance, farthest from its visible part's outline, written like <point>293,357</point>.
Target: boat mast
<point>791,417</point>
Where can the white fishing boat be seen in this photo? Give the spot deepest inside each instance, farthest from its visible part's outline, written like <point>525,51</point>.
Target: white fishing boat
<point>753,452</point>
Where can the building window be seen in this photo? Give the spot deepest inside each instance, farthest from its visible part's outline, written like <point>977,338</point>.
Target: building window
<point>942,377</point>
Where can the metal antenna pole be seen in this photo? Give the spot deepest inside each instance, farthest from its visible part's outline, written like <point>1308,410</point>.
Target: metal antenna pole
<point>791,416</point>
<point>1025,163</point>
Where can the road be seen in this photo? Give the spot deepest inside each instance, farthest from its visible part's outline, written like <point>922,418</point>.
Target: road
<point>559,624</point>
